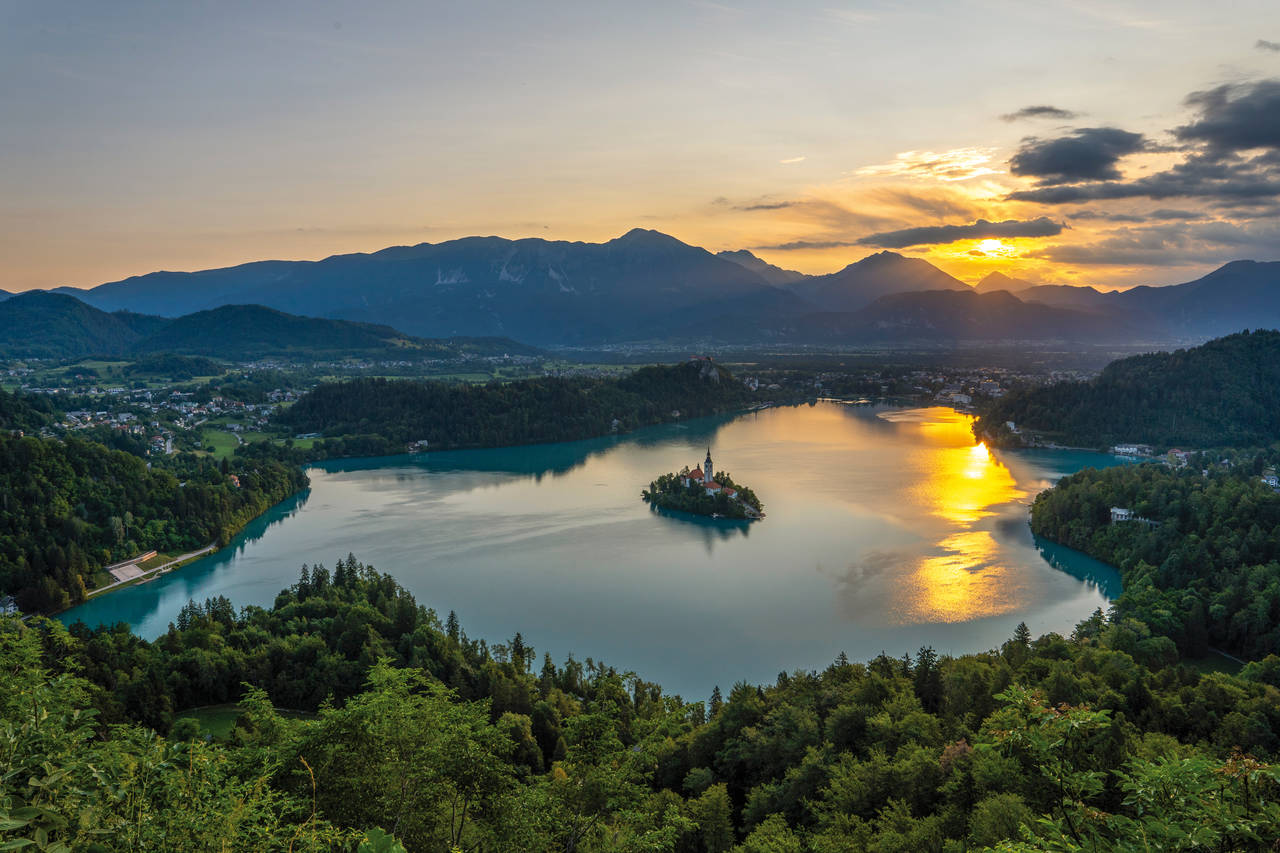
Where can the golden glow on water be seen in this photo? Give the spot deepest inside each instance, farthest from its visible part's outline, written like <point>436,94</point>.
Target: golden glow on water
<point>964,582</point>
<point>963,484</point>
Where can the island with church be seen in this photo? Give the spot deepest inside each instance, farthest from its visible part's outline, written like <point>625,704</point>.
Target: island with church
<point>703,491</point>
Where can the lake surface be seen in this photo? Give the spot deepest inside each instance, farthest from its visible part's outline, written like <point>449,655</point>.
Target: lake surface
<point>887,529</point>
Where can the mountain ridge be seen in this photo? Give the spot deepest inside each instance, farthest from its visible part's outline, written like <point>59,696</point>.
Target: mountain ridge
<point>41,324</point>
<point>645,285</point>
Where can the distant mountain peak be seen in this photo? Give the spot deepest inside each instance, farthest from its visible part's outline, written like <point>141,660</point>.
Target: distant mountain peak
<point>775,275</point>
<point>646,237</point>
<point>996,280</point>
<point>882,256</point>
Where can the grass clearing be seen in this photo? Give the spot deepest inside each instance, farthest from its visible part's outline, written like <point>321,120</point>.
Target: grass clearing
<point>217,721</point>
<point>218,443</point>
<point>157,560</point>
<point>1214,662</point>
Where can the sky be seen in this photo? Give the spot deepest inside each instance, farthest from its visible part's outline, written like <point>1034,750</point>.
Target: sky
<point>1103,142</point>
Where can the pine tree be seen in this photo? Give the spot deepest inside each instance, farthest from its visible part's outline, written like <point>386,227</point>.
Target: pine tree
<point>1022,635</point>
<point>717,701</point>
<point>928,680</point>
<point>548,678</point>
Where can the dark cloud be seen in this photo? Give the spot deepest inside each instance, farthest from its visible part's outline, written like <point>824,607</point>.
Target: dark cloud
<point>1040,111</point>
<point>1171,213</point>
<point>1162,214</point>
<point>1236,117</point>
<point>765,205</point>
<point>1263,44</point>
<point>1087,215</point>
<point>1087,154</point>
<point>932,234</point>
<point>1227,180</point>
<point>1173,244</point>
<point>806,244</point>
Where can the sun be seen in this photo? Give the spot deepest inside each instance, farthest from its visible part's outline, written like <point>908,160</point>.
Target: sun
<point>993,248</point>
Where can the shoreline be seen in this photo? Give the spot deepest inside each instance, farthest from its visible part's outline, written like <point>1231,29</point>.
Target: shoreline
<point>151,574</point>
<point>213,548</point>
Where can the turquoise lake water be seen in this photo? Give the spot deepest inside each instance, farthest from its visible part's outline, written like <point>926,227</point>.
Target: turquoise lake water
<point>886,530</point>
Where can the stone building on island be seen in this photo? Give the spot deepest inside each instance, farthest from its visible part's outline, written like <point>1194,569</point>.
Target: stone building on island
<point>705,477</point>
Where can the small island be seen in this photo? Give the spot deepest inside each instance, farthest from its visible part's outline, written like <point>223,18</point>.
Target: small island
<point>702,492</point>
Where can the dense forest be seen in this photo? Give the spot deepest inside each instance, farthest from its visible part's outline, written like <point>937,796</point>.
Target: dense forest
<point>25,412</point>
<point>69,507</point>
<point>669,492</point>
<point>1224,393</point>
<point>414,729</point>
<point>1201,563</point>
<point>393,413</point>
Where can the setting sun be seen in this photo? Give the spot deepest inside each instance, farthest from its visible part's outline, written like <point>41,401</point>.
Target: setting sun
<point>996,247</point>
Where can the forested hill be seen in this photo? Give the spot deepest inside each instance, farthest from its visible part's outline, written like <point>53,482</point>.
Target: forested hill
<point>249,331</point>
<point>68,508</point>
<point>1203,566</point>
<point>525,412</point>
<point>1086,743</point>
<point>53,325</point>
<point>1224,393</point>
<point>24,412</point>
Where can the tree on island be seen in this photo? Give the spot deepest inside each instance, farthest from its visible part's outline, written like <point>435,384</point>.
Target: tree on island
<point>678,491</point>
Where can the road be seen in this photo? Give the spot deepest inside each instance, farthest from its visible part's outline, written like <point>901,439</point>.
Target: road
<point>150,573</point>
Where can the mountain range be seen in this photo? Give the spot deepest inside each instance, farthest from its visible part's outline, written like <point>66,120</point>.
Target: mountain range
<point>55,325</point>
<point>648,286</point>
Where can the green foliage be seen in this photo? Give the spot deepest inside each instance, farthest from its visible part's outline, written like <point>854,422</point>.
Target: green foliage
<point>67,508</point>
<point>394,412</point>
<point>446,743</point>
<point>53,325</point>
<point>251,331</point>
<point>25,412</point>
<point>64,788</point>
<point>174,367</point>
<point>669,492</point>
<point>1206,570</point>
<point>377,841</point>
<point>1224,393</point>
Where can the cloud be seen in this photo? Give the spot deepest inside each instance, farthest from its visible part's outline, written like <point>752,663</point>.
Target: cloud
<point>1175,244</point>
<point>958,164</point>
<point>791,160</point>
<point>1232,156</point>
<point>1160,214</point>
<point>765,205</point>
<point>1263,44</point>
<point>937,203</point>
<point>1230,181</point>
<point>1040,111</point>
<point>933,234</point>
<point>1236,117</point>
<point>807,244</point>
<point>1087,154</point>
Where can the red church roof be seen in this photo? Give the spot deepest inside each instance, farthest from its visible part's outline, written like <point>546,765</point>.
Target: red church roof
<point>696,474</point>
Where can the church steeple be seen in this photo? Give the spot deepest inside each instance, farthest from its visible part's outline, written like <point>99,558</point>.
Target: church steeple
<point>706,468</point>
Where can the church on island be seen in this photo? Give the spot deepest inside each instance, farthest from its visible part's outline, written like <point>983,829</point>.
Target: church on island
<point>699,492</point>
<point>704,477</point>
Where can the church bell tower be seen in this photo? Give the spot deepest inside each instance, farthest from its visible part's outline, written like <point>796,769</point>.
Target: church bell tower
<point>706,468</point>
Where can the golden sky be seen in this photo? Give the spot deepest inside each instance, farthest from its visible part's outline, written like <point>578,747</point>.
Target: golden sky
<point>142,136</point>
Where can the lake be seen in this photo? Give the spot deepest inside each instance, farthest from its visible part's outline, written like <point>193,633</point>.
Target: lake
<point>888,529</point>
